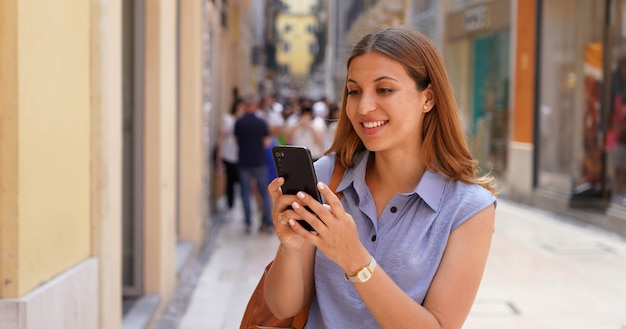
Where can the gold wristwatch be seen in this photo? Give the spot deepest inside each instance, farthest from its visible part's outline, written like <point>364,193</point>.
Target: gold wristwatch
<point>364,274</point>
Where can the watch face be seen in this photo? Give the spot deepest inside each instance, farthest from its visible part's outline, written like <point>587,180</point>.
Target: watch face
<point>364,274</point>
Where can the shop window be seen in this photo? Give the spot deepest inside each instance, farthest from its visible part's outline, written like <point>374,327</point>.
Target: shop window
<point>570,89</point>
<point>615,136</point>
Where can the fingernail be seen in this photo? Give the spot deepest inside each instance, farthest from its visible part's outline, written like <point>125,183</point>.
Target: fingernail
<point>295,205</point>
<point>300,195</point>
<point>326,206</point>
<point>321,186</point>
<point>292,222</point>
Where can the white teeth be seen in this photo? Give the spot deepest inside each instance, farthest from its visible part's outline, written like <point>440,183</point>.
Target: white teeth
<point>373,124</point>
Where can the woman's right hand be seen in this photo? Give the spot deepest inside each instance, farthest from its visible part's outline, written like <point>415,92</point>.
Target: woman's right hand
<point>289,239</point>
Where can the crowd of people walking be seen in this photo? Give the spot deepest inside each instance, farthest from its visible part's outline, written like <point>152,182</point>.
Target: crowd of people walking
<point>248,132</point>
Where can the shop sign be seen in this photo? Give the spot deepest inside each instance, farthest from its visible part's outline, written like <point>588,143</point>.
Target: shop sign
<point>476,18</point>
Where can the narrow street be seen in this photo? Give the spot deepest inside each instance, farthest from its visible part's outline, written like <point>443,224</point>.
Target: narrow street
<point>544,272</point>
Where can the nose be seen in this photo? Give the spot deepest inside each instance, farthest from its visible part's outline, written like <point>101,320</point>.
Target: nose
<point>366,103</point>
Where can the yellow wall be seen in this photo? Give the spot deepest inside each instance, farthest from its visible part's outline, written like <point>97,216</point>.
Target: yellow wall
<point>8,147</point>
<point>168,154</point>
<point>49,100</point>
<point>298,58</point>
<point>458,64</point>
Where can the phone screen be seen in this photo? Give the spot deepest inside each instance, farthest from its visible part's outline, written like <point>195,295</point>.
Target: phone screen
<point>295,165</point>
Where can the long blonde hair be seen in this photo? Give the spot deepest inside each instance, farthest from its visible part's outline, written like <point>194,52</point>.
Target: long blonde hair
<point>444,149</point>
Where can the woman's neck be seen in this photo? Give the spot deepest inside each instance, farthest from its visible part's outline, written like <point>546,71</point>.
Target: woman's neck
<point>401,170</point>
<point>387,176</point>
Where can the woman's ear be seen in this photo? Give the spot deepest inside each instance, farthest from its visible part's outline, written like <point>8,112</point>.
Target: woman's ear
<point>430,99</point>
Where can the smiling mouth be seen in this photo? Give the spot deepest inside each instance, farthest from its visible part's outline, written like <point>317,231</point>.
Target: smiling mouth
<point>373,124</point>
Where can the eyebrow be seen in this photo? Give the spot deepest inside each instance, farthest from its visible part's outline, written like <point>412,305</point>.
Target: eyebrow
<point>384,77</point>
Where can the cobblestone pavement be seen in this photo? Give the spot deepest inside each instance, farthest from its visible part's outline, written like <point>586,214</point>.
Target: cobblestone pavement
<point>544,271</point>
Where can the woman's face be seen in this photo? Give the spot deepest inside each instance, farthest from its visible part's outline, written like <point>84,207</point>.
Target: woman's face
<point>384,105</point>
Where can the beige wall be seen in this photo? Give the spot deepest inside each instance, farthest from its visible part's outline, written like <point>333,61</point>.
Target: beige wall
<point>106,139</point>
<point>47,220</point>
<point>160,152</point>
<point>191,214</point>
<point>218,73</point>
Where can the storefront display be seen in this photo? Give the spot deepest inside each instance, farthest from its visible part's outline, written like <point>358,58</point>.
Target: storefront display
<point>570,92</point>
<point>615,140</point>
<point>582,90</point>
<point>592,118</point>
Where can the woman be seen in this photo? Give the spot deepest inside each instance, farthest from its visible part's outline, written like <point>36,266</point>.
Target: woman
<point>309,131</point>
<point>413,228</point>
<point>227,151</point>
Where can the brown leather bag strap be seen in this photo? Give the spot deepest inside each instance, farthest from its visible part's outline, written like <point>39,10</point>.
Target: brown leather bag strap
<point>299,320</point>
<point>335,179</point>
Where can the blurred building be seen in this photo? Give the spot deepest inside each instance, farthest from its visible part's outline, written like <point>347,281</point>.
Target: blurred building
<point>540,97</point>
<point>301,48</point>
<point>347,22</point>
<point>296,26</point>
<point>109,115</point>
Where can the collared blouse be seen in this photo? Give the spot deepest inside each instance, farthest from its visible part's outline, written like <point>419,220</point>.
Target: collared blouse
<point>408,240</point>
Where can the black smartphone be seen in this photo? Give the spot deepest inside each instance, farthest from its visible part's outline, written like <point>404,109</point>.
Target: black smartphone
<point>295,164</point>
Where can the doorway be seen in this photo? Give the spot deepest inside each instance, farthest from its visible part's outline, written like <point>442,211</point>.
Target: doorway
<point>132,148</point>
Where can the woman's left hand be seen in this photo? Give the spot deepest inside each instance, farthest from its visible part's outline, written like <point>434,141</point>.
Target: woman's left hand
<point>337,235</point>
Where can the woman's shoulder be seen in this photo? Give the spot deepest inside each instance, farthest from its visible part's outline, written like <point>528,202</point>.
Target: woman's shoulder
<point>466,199</point>
<point>467,192</point>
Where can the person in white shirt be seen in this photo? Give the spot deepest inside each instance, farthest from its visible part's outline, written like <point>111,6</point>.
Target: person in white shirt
<point>308,131</point>
<point>321,108</point>
<point>228,149</point>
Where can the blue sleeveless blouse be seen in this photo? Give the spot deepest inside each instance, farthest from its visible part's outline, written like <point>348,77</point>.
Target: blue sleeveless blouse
<point>408,240</point>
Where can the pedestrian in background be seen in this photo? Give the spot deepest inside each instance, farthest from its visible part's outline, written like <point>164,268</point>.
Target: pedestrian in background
<point>331,123</point>
<point>406,245</point>
<point>275,123</point>
<point>253,137</point>
<point>321,107</point>
<point>228,152</point>
<point>305,129</point>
